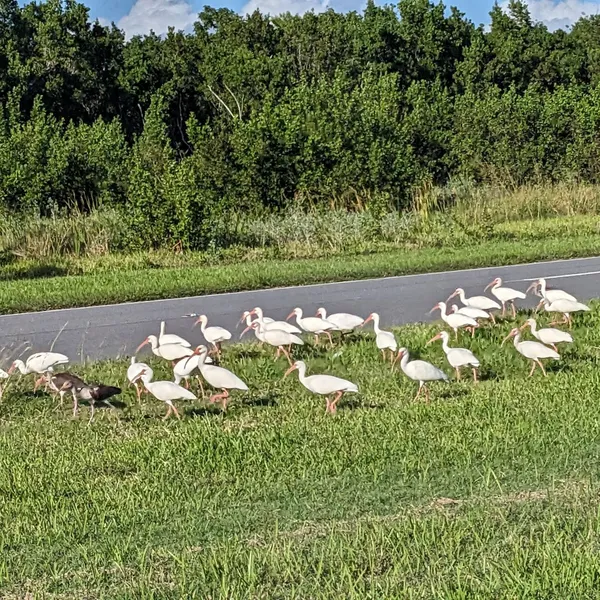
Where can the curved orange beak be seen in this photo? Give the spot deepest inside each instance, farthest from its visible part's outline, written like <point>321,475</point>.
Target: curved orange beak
<point>433,339</point>
<point>146,341</point>
<point>490,284</point>
<point>195,323</point>
<point>452,295</point>
<point>434,308</point>
<point>524,326</point>
<point>246,330</point>
<point>11,369</point>
<point>290,316</point>
<point>398,357</point>
<point>510,335</point>
<point>533,286</point>
<point>369,318</point>
<point>292,368</point>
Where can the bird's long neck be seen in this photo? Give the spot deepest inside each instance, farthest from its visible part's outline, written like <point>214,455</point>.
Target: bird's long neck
<point>162,328</point>
<point>298,316</point>
<point>376,324</point>
<point>202,326</point>
<point>445,345</point>
<point>249,319</point>
<point>301,373</point>
<point>442,308</point>
<point>404,361</point>
<point>22,368</point>
<point>543,287</point>
<point>202,358</point>
<point>533,326</point>
<point>517,340</point>
<point>462,296</point>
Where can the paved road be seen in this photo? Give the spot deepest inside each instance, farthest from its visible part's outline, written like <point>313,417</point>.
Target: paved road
<point>113,331</point>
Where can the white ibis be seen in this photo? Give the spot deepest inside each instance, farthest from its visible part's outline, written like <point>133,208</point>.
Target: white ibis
<point>184,369</point>
<point>92,393</point>
<point>324,385</point>
<point>505,294</point>
<point>457,357</point>
<point>421,371</point>
<point>548,335</point>
<point>218,378</point>
<point>550,294</point>
<point>565,307</point>
<point>247,316</point>
<point>481,302</point>
<point>271,324</point>
<point>171,352</point>
<point>384,340</point>
<point>276,337</point>
<point>41,363</point>
<point>171,338</point>
<point>166,391</point>
<point>133,372</point>
<point>534,351</point>
<point>215,336</point>
<point>456,320</point>
<point>314,325</point>
<point>343,321</point>
<point>468,311</point>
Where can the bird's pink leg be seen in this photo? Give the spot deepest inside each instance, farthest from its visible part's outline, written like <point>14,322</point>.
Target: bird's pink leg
<point>201,386</point>
<point>75,403</point>
<point>542,368</point>
<point>316,339</point>
<point>570,321</point>
<point>278,352</point>
<point>222,396</point>
<point>472,332</point>
<point>169,408</point>
<point>457,374</point>
<point>328,405</point>
<point>330,338</point>
<point>38,382</point>
<point>287,354</point>
<point>335,401</point>
<point>514,309</point>
<point>419,391</point>
<point>493,318</point>
<point>176,412</point>
<point>187,384</point>
<point>427,399</point>
<point>138,391</point>
<point>503,309</point>
<point>532,369</point>
<point>474,375</point>
<point>554,347</point>
<point>383,353</point>
<point>456,334</point>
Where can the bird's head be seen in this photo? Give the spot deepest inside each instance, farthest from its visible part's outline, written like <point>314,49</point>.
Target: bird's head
<point>454,308</point>
<point>297,312</point>
<point>438,306</point>
<point>147,341</point>
<point>201,320</point>
<point>253,325</point>
<point>514,332</point>
<point>401,352</point>
<point>17,364</point>
<point>201,349</point>
<point>456,292</point>
<point>534,286</point>
<point>439,336</point>
<point>496,281</point>
<point>321,312</point>
<point>371,317</point>
<point>244,317</point>
<point>299,364</point>
<point>528,323</point>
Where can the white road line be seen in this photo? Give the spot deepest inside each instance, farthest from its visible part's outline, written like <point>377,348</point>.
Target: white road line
<point>560,276</point>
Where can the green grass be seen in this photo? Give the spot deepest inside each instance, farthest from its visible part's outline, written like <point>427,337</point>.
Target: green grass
<point>491,491</point>
<point>127,280</point>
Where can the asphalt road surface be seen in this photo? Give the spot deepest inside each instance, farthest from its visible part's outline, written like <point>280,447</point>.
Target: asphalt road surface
<point>115,331</point>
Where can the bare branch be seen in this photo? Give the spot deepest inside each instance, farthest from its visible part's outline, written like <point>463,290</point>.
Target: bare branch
<point>222,102</point>
<point>236,100</point>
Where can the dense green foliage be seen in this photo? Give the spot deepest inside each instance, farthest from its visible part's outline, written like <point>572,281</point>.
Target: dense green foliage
<point>252,113</point>
<point>490,491</point>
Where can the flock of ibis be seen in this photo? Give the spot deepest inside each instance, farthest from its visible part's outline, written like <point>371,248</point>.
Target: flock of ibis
<point>188,362</point>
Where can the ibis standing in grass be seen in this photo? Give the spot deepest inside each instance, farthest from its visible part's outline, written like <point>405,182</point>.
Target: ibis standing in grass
<point>314,325</point>
<point>324,385</point>
<point>480,302</point>
<point>343,321</point>
<point>548,335</point>
<point>42,363</point>
<point>565,307</point>
<point>171,338</point>
<point>170,352</point>
<point>534,351</point>
<point>384,340</point>
<point>457,357</point>
<point>456,320</point>
<point>275,337</point>
<point>505,295</point>
<point>214,335</point>
<point>420,370</point>
<point>550,294</point>
<point>165,391</point>
<point>474,313</point>
<point>133,375</point>
<point>218,378</point>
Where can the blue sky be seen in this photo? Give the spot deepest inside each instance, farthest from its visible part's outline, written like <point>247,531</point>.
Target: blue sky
<point>139,16</point>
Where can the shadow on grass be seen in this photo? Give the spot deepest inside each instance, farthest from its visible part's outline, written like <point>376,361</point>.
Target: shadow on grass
<point>18,272</point>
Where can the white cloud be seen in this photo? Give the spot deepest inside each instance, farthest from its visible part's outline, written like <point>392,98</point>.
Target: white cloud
<point>158,16</point>
<point>276,7</point>
<point>558,14</point>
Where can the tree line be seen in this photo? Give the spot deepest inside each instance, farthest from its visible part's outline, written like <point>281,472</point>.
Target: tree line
<point>252,113</point>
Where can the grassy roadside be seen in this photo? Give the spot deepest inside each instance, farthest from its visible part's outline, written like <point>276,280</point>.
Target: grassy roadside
<point>491,491</point>
<point>113,286</point>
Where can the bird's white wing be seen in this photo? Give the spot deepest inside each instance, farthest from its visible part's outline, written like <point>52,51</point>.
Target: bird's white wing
<point>328,384</point>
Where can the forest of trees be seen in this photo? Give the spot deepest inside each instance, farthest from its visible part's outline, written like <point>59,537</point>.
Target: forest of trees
<point>251,113</point>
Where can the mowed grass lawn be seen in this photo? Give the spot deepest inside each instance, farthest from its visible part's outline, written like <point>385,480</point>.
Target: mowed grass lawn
<point>491,491</point>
